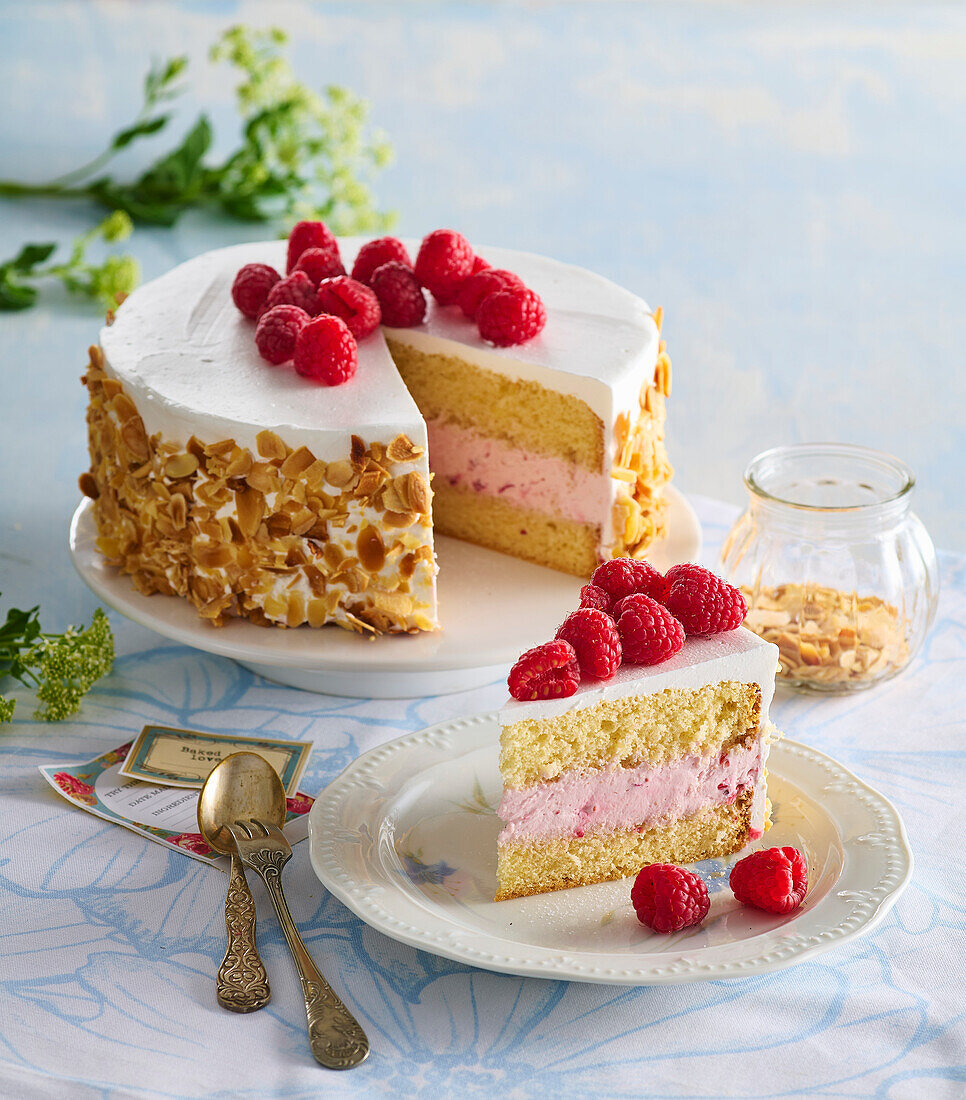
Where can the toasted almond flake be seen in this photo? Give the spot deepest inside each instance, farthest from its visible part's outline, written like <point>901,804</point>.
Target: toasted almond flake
<point>135,438</point>
<point>279,524</point>
<point>271,445</point>
<point>357,453</point>
<point>316,612</point>
<point>658,316</point>
<point>182,465</point>
<point>340,473</point>
<point>179,511</point>
<point>296,462</point>
<point>402,449</point>
<point>371,549</point>
<point>88,486</point>
<point>250,507</point>
<point>399,519</point>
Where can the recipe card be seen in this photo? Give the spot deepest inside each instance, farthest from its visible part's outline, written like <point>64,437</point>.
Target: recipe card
<point>165,815</point>
<point>171,757</point>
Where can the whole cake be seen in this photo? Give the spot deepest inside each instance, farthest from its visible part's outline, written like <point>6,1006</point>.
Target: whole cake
<point>253,490</point>
<point>657,754</point>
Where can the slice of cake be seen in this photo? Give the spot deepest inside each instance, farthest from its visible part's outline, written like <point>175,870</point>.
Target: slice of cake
<point>659,763</point>
<point>252,491</point>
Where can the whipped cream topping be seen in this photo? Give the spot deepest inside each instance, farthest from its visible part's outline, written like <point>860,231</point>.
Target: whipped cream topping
<point>736,655</point>
<point>599,800</point>
<point>467,460</point>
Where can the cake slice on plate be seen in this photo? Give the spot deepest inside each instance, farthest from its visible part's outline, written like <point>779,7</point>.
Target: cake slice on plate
<point>659,763</point>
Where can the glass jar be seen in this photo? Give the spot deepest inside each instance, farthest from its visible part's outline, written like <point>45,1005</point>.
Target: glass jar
<point>836,569</point>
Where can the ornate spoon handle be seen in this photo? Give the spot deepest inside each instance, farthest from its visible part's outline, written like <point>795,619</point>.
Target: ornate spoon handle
<point>242,984</point>
<point>335,1036</point>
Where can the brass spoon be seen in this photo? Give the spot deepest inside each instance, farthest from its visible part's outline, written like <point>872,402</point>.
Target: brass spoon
<point>336,1038</point>
<point>235,789</point>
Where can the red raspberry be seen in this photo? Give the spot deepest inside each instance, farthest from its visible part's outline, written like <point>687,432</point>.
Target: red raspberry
<point>773,879</point>
<point>375,254</point>
<point>649,632</point>
<point>548,671</point>
<point>474,288</point>
<point>325,351</point>
<point>443,262</point>
<point>625,576</point>
<point>593,634</point>
<point>277,330</point>
<point>704,603</point>
<point>296,289</point>
<point>592,596</point>
<point>309,235</point>
<point>511,316</point>
<point>354,303</point>
<point>251,287</point>
<point>400,296</point>
<point>479,264</point>
<point>668,898</point>
<point>320,263</point>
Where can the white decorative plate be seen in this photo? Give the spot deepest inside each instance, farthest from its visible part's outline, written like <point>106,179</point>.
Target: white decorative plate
<point>406,838</point>
<point>477,644</point>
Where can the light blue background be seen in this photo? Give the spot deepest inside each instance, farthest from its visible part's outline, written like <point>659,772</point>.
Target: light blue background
<point>786,181</point>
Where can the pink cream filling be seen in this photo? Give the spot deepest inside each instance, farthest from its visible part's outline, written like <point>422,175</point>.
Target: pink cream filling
<point>465,459</point>
<point>605,799</point>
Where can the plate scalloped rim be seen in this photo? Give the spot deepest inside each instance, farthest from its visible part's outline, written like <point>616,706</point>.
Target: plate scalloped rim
<point>861,898</point>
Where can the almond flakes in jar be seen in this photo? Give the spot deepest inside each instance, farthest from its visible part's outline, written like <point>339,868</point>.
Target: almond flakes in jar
<point>837,570</point>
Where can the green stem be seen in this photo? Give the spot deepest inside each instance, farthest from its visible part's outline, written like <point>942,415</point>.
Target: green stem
<point>12,189</point>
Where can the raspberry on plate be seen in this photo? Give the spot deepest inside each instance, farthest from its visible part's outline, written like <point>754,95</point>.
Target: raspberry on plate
<point>511,316</point>
<point>400,296</point>
<point>296,289</point>
<point>547,671</point>
<point>277,330</point>
<point>592,596</point>
<point>474,288</point>
<point>374,254</point>
<point>251,287</point>
<point>649,632</point>
<point>326,351</point>
<point>309,235</point>
<point>444,260</point>
<point>668,898</point>
<point>320,263</point>
<point>354,303</point>
<point>593,634</point>
<point>773,879</point>
<point>625,576</point>
<point>704,603</point>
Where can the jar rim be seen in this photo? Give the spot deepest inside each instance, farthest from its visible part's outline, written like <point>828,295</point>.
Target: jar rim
<point>874,459</point>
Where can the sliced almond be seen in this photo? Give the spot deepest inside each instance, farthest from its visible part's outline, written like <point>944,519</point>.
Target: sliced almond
<point>271,446</point>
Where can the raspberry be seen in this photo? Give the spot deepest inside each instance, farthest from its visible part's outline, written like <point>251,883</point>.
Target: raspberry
<point>443,262</point>
<point>649,632</point>
<point>354,303</point>
<point>548,671</point>
<point>773,879</point>
<point>320,263</point>
<point>511,316</point>
<point>309,235</point>
<point>668,898</point>
<point>593,634</point>
<point>625,576</point>
<point>704,603</point>
<point>375,254</point>
<point>400,296</point>
<point>474,288</point>
<point>296,289</point>
<point>276,332</point>
<point>592,596</point>
<point>325,351</point>
<point>251,287</point>
<point>479,264</point>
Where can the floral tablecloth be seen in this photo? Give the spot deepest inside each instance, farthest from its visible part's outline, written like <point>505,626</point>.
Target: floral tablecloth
<point>108,943</point>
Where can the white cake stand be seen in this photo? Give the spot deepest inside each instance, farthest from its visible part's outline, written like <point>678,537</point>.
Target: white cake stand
<point>492,607</point>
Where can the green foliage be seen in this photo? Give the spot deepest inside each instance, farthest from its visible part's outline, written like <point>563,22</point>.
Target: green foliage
<point>60,667</point>
<point>302,154</point>
<point>107,281</point>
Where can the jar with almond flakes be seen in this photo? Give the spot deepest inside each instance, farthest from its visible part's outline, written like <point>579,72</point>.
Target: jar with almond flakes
<point>837,570</point>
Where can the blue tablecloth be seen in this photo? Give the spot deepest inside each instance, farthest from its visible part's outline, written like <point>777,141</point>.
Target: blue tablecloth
<point>110,943</point>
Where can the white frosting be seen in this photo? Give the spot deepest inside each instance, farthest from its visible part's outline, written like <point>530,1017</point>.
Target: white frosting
<point>736,655</point>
